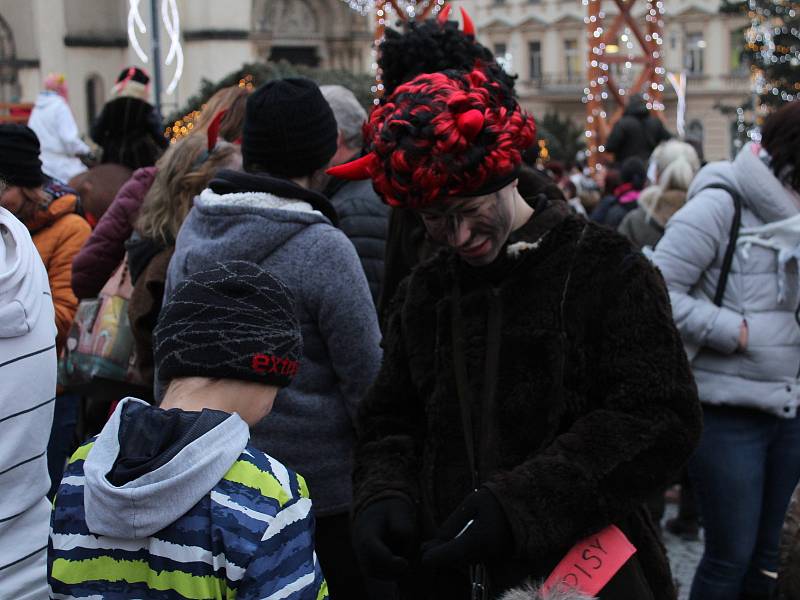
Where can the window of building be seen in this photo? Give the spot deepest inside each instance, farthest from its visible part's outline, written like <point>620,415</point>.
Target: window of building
<point>738,63</point>
<point>573,60</point>
<point>693,53</point>
<point>535,61</point>
<point>9,84</point>
<point>499,50</point>
<point>295,55</point>
<point>95,97</point>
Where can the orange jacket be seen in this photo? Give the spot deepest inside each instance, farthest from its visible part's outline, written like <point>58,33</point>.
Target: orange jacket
<point>58,234</point>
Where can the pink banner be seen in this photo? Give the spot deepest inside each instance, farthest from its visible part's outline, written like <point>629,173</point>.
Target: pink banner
<point>592,562</point>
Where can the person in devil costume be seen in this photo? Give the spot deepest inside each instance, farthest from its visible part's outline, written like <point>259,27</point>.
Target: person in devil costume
<point>430,46</point>
<point>534,389</point>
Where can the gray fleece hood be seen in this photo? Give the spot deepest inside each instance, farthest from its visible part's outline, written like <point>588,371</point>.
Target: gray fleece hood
<point>155,498</point>
<point>22,294</point>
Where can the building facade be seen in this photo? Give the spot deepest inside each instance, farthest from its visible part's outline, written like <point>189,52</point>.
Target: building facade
<point>543,41</point>
<point>87,40</point>
<point>546,44</point>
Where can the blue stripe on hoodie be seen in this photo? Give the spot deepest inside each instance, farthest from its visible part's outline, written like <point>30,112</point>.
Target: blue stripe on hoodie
<point>215,548</point>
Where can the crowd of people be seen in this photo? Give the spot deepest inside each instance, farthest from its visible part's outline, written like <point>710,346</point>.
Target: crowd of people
<point>390,355</point>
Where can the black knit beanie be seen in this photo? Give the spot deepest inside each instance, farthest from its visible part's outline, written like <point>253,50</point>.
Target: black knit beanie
<point>235,321</point>
<point>19,156</point>
<point>133,74</point>
<point>289,129</point>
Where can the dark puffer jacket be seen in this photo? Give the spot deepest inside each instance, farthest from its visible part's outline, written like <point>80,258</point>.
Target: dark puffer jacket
<point>595,409</point>
<point>637,133</point>
<point>364,219</point>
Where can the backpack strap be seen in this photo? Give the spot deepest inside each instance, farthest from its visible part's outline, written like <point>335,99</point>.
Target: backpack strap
<point>727,260</point>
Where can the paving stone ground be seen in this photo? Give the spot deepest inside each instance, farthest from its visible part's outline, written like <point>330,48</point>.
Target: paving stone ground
<point>683,556</point>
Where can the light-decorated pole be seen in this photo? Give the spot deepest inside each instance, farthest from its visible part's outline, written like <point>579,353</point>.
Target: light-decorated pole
<point>612,40</point>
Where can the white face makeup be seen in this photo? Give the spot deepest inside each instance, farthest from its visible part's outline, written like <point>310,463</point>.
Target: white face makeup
<point>475,227</point>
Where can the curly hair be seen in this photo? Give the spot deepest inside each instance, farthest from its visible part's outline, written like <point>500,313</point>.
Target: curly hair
<point>780,136</point>
<point>429,47</point>
<point>232,99</point>
<point>179,179</point>
<point>446,134</point>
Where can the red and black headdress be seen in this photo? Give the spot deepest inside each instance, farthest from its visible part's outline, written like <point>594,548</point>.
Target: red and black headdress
<point>453,133</point>
<point>431,46</point>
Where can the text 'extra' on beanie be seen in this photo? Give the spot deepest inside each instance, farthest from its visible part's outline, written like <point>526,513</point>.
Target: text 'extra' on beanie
<point>19,156</point>
<point>289,129</point>
<point>235,321</point>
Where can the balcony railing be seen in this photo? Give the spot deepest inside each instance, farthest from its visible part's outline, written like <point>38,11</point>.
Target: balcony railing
<point>559,83</point>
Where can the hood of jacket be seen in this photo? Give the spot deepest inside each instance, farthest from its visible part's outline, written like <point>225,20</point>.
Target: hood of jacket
<point>60,200</point>
<point>48,99</point>
<point>757,185</point>
<point>229,181</point>
<point>250,225</point>
<point>149,466</point>
<point>22,295</point>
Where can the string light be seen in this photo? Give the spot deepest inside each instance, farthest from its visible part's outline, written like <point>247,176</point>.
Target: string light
<point>767,40</point>
<point>611,47</point>
<point>171,18</point>
<point>407,7</point>
<point>183,126</point>
<point>384,9</point>
<point>172,25</point>
<point>135,21</point>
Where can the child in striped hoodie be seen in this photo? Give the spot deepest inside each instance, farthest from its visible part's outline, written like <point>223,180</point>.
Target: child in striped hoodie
<point>172,502</point>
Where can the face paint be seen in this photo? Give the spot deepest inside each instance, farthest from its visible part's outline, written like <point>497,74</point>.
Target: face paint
<point>476,228</point>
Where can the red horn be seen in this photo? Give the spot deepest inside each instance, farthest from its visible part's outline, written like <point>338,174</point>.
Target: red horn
<point>470,123</point>
<point>443,14</point>
<point>213,129</point>
<point>356,169</point>
<point>469,26</point>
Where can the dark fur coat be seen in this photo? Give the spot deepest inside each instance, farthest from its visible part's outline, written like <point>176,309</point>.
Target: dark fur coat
<point>595,408</point>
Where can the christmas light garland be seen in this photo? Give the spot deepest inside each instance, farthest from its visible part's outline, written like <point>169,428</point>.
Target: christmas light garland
<point>598,91</point>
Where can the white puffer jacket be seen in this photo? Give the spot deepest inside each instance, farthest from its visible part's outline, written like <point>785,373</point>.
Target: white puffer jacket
<point>762,286</point>
<point>54,125</point>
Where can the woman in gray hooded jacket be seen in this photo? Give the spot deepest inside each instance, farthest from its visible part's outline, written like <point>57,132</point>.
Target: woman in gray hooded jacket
<point>745,351</point>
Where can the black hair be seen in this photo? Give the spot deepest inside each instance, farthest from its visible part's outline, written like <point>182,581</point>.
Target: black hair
<point>429,47</point>
<point>634,171</point>
<point>780,136</point>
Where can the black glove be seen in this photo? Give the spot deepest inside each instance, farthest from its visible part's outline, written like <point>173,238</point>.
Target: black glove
<point>386,537</point>
<point>476,531</point>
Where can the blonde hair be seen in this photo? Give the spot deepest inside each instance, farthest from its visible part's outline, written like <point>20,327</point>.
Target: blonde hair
<point>232,99</point>
<point>676,165</point>
<point>182,174</point>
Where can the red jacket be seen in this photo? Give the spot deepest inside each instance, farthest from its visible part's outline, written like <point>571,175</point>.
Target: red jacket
<point>105,249</point>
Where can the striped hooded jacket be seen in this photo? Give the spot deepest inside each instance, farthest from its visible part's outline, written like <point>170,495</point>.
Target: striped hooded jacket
<point>201,521</point>
<point>27,395</point>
